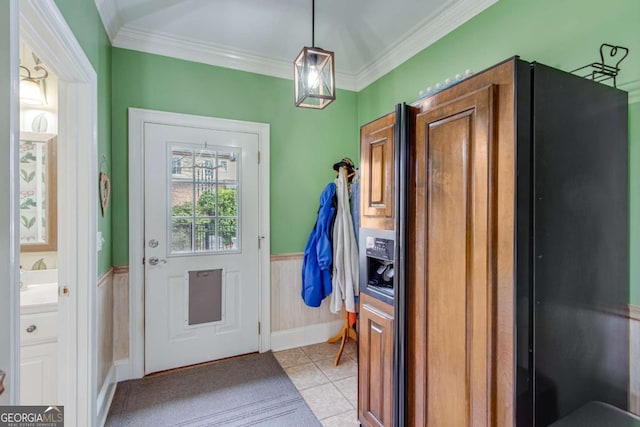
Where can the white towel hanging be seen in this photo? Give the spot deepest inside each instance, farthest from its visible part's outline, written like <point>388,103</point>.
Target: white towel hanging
<point>345,251</point>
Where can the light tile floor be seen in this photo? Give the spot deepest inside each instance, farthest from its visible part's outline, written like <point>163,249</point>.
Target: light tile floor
<point>330,391</point>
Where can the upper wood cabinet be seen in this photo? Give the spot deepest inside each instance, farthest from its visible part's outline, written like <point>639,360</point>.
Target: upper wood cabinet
<point>377,173</point>
<point>460,348</point>
<point>455,193</point>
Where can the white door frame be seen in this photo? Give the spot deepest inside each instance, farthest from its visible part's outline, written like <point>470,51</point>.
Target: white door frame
<point>45,30</point>
<point>9,211</point>
<point>137,119</point>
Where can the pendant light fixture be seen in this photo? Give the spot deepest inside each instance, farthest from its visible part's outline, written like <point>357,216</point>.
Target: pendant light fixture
<point>313,74</point>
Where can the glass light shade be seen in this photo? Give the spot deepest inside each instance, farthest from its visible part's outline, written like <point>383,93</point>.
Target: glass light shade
<point>314,78</point>
<point>30,92</point>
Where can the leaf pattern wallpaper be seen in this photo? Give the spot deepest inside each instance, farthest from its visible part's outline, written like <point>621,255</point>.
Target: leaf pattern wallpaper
<point>33,188</point>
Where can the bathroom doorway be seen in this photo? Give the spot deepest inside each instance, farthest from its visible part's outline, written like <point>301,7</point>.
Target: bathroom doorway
<point>43,28</point>
<point>38,301</point>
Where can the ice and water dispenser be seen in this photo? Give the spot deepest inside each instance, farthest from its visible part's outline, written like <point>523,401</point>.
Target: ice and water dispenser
<point>377,269</point>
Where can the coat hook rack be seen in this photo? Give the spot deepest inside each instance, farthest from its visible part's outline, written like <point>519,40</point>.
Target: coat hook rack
<point>350,168</point>
<point>347,331</point>
<point>601,71</point>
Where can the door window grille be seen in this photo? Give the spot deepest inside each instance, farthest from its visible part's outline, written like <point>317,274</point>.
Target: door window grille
<point>204,210</point>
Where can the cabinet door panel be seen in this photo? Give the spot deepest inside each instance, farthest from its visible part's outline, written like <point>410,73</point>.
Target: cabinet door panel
<point>38,374</point>
<point>375,371</point>
<point>377,173</point>
<point>452,265</point>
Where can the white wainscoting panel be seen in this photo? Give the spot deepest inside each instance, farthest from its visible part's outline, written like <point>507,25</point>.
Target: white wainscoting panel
<point>292,322</point>
<point>120,312</point>
<point>105,327</point>
<point>288,311</point>
<point>106,372</point>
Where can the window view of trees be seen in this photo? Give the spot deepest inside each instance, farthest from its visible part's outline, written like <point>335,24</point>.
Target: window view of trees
<point>204,200</point>
<point>205,218</point>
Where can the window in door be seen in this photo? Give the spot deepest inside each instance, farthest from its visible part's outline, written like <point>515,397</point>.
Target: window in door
<point>204,200</point>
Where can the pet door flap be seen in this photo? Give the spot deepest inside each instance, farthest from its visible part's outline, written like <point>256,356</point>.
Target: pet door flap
<point>205,296</point>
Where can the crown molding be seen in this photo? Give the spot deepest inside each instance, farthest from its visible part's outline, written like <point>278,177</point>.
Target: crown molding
<point>415,39</point>
<point>633,88</point>
<point>111,21</point>
<point>421,36</point>
<point>213,54</point>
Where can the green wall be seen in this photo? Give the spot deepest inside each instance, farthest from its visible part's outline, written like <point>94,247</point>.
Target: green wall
<point>84,21</point>
<point>634,201</point>
<point>304,143</point>
<point>565,34</point>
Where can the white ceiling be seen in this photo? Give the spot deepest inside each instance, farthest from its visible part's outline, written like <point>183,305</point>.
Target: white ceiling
<point>369,37</point>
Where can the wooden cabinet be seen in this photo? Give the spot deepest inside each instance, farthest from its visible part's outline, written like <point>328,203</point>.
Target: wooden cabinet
<point>377,169</point>
<point>454,277</point>
<point>460,252</point>
<point>375,365</point>
<point>376,323</point>
<point>516,175</point>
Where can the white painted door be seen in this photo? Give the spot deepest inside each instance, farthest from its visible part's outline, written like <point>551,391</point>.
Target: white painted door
<point>201,245</point>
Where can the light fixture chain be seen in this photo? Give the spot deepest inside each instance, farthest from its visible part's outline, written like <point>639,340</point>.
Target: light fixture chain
<point>313,23</point>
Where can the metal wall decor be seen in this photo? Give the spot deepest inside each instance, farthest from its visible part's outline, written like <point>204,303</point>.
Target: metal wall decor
<point>604,70</point>
<point>104,185</point>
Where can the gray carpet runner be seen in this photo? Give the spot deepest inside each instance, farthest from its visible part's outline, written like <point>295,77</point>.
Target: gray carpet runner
<point>251,390</point>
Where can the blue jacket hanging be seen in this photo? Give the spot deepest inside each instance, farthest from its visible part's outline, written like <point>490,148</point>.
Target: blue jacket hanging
<point>318,257</point>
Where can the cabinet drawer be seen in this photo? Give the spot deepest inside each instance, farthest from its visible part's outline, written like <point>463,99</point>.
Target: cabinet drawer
<point>43,327</point>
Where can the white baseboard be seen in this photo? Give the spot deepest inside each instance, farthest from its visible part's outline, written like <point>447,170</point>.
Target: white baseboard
<point>105,396</point>
<point>307,335</point>
<point>123,370</point>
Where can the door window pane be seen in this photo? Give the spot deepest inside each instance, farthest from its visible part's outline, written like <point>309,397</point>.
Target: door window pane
<point>181,236</point>
<point>228,233</point>
<point>228,198</point>
<point>204,199</point>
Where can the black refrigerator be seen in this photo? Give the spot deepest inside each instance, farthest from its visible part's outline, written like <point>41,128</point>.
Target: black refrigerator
<point>571,266</point>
